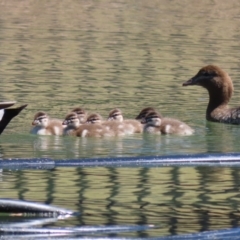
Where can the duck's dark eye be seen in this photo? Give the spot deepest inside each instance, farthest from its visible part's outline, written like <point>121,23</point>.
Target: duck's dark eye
<point>204,73</point>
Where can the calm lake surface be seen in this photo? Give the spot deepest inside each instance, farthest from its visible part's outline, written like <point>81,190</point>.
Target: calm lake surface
<point>57,55</point>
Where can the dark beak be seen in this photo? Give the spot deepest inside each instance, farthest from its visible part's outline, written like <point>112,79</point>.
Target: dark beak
<point>187,83</point>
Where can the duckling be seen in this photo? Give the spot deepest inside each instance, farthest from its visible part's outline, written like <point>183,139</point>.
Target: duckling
<point>155,123</point>
<point>44,125</point>
<point>6,115</point>
<point>75,128</point>
<point>116,127</point>
<point>131,125</point>
<point>81,113</point>
<point>71,123</point>
<point>220,89</point>
<point>95,118</point>
<point>116,115</point>
<point>141,116</point>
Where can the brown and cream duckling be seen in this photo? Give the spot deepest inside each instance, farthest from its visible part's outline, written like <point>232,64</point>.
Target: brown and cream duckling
<point>220,89</point>
<point>44,125</point>
<point>155,123</point>
<point>71,123</point>
<point>81,113</point>
<point>75,128</point>
<point>116,127</point>
<point>130,125</point>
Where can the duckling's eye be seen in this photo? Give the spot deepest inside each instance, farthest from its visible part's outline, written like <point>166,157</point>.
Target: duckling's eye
<point>41,118</point>
<point>93,120</point>
<point>115,115</point>
<point>148,119</point>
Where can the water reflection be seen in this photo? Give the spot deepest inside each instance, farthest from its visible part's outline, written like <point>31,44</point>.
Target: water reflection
<point>179,199</point>
<point>217,138</point>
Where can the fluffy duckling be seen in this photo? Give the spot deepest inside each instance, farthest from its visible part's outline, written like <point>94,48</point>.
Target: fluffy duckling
<point>44,125</point>
<point>116,127</point>
<point>131,125</point>
<point>75,128</point>
<point>71,123</point>
<point>120,128</point>
<point>81,113</point>
<point>155,123</point>
<point>220,89</point>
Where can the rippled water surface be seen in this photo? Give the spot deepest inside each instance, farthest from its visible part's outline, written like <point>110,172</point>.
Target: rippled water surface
<point>57,55</point>
<point>177,200</point>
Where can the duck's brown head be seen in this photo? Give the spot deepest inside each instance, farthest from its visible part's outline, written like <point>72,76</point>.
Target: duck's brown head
<point>208,76</point>
<point>216,81</point>
<point>115,115</point>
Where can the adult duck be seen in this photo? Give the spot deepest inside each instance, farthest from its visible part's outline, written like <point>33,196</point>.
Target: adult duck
<point>220,89</point>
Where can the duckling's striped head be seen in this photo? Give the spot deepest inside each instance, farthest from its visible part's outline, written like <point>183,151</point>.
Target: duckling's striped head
<point>40,119</point>
<point>153,118</point>
<point>81,114</point>
<point>94,118</point>
<point>141,116</point>
<point>115,115</point>
<point>71,120</point>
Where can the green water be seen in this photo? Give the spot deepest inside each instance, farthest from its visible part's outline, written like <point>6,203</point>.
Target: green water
<point>57,55</point>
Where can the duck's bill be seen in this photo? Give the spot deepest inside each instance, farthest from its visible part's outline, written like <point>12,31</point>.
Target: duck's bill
<point>187,83</point>
<point>6,104</point>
